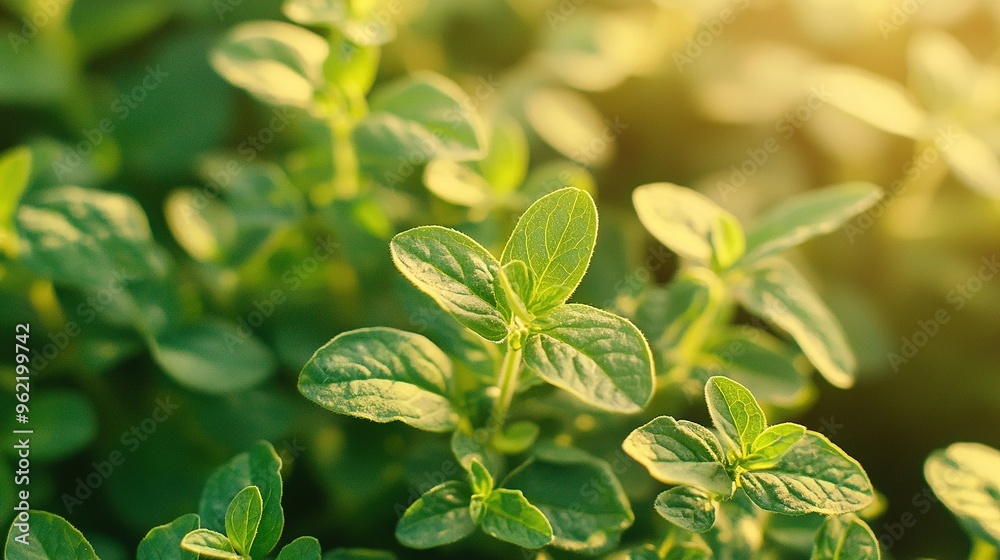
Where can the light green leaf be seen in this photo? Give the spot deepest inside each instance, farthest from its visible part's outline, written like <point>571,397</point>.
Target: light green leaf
<point>260,467</point>
<point>352,68</point>
<point>734,412</point>
<point>214,357</point>
<point>772,444</point>
<point>302,548</point>
<point>506,163</point>
<point>688,551</point>
<point>508,516</point>
<point>383,375</point>
<point>516,437</point>
<point>164,542</point>
<point>579,495</point>
<point>480,478</point>
<point>458,273</point>
<point>845,537</point>
<point>279,63</point>
<point>313,12</point>
<point>690,224</point>
<point>457,183</point>
<point>808,215</point>
<point>513,288</point>
<point>50,537</point>
<point>974,163</point>
<point>775,291</point>
<point>86,238</point>
<point>570,123</point>
<point>601,358</point>
<point>966,478</point>
<point>555,237</point>
<point>209,544</point>
<point>243,518</point>
<point>680,452</point>
<point>476,447</point>
<point>875,100</point>
<point>390,146</point>
<point>813,476</point>
<point>439,517</point>
<point>687,507</point>
<point>440,107</point>
<point>15,170</point>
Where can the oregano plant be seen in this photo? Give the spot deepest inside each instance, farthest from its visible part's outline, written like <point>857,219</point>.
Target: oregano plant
<point>784,468</point>
<point>518,301</point>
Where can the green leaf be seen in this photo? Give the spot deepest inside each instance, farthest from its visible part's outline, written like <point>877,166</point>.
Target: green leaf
<point>476,447</point>
<point>549,177</point>
<point>601,358</point>
<point>86,238</point>
<point>15,170</point>
<point>569,122</point>
<point>506,163</point>
<point>243,518</point>
<point>440,107</point>
<point>279,63</point>
<point>214,357</point>
<point>941,70</point>
<point>688,551</point>
<point>507,515</point>
<point>690,224</point>
<point>209,544</point>
<point>645,552</point>
<point>734,412</point>
<point>845,537</point>
<point>164,542</point>
<point>875,100</point>
<point>458,273</point>
<point>457,183</point>
<point>516,437</point>
<point>302,548</point>
<point>555,237</point>
<point>975,163</point>
<point>966,478</point>
<point>772,444</point>
<point>737,532</point>
<point>579,495</point>
<point>775,291</point>
<point>687,507</point>
<point>65,422</point>
<point>313,12</point>
<point>389,146</point>
<point>680,452</point>
<point>50,537</point>
<point>807,216</point>
<point>439,517</point>
<point>513,288</point>
<point>480,478</point>
<point>383,375</point>
<point>260,467</point>
<point>813,476</point>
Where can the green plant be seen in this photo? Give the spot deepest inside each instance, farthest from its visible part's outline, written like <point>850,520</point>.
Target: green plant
<point>689,321</point>
<point>519,302</point>
<point>783,469</point>
<point>966,478</point>
<point>239,518</point>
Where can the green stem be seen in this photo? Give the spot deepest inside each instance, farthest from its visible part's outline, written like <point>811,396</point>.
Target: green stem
<point>696,337</point>
<point>667,544</point>
<point>510,371</point>
<point>982,550</point>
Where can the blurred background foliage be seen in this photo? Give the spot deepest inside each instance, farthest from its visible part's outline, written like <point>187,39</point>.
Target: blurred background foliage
<point>216,311</point>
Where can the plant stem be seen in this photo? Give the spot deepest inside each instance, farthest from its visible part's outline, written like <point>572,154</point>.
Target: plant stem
<point>507,383</point>
<point>694,340</point>
<point>667,544</point>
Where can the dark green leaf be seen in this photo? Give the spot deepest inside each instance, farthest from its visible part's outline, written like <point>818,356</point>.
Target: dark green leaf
<point>243,518</point>
<point>846,538</point>
<point>687,507</point>
<point>302,548</point>
<point>508,516</point>
<point>164,542</point>
<point>50,537</point>
<point>439,517</point>
<point>383,375</point>
<point>735,413</point>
